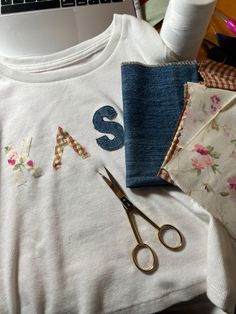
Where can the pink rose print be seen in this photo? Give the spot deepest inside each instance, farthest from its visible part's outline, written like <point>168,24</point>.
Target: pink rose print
<point>12,158</point>
<point>231,182</point>
<point>205,158</point>
<point>30,163</point>
<point>208,161</point>
<point>11,162</point>
<point>215,104</point>
<point>215,99</point>
<point>202,163</point>
<point>202,150</point>
<point>198,164</point>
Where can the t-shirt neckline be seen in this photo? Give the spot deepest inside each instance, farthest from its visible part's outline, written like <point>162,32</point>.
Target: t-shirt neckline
<point>56,66</point>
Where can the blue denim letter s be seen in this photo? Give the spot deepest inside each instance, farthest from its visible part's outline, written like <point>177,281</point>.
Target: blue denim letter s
<point>108,127</point>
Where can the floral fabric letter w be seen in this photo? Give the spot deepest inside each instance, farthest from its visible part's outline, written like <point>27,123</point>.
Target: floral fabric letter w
<point>19,161</point>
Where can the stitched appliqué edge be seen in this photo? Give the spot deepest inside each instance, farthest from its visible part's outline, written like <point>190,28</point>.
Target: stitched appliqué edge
<point>19,161</point>
<point>63,139</point>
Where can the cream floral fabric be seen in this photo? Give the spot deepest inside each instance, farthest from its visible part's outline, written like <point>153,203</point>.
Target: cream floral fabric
<point>203,160</point>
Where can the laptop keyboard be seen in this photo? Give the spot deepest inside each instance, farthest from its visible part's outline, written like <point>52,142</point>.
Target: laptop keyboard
<point>14,6</point>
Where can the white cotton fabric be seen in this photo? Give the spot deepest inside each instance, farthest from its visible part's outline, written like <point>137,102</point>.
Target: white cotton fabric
<point>65,241</point>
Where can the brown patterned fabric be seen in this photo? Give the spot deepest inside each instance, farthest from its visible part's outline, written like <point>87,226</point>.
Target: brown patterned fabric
<point>174,147</point>
<point>218,75</point>
<point>63,139</point>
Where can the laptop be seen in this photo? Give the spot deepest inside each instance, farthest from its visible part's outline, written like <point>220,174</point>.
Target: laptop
<point>39,27</point>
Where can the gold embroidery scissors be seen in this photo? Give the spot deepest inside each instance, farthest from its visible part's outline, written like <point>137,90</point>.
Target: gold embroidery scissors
<point>131,209</point>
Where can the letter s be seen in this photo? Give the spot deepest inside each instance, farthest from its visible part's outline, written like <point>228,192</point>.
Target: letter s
<point>108,127</point>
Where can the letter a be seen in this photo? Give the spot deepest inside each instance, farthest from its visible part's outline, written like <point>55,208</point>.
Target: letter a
<point>63,139</point>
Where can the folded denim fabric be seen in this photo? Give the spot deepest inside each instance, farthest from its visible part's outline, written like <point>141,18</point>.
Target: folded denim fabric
<point>153,98</point>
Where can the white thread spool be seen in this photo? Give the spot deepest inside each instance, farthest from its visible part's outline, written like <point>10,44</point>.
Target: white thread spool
<point>185,25</point>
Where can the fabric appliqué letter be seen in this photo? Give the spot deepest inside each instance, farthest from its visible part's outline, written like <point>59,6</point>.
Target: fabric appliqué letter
<point>19,161</point>
<point>108,127</point>
<point>63,139</point>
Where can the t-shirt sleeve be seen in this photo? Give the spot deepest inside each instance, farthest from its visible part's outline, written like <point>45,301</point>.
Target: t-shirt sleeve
<point>147,40</point>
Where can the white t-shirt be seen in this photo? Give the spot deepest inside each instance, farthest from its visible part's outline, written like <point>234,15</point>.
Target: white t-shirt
<point>65,241</point>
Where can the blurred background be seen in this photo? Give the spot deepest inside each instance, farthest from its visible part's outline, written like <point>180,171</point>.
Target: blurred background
<point>219,43</point>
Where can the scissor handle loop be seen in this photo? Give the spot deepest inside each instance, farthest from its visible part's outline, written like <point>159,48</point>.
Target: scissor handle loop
<point>154,262</point>
<point>161,233</point>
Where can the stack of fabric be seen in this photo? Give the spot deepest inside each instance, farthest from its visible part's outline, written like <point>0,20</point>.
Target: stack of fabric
<point>201,159</point>
<point>153,100</point>
<point>180,127</point>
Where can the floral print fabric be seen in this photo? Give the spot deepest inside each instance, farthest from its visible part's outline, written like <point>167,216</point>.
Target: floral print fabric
<point>18,162</point>
<point>203,161</point>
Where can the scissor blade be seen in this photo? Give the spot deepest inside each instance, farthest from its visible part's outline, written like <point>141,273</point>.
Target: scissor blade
<point>114,182</point>
<point>108,182</point>
<point>114,185</point>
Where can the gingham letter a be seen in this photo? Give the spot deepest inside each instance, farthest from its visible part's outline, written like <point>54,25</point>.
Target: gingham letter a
<point>63,139</point>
